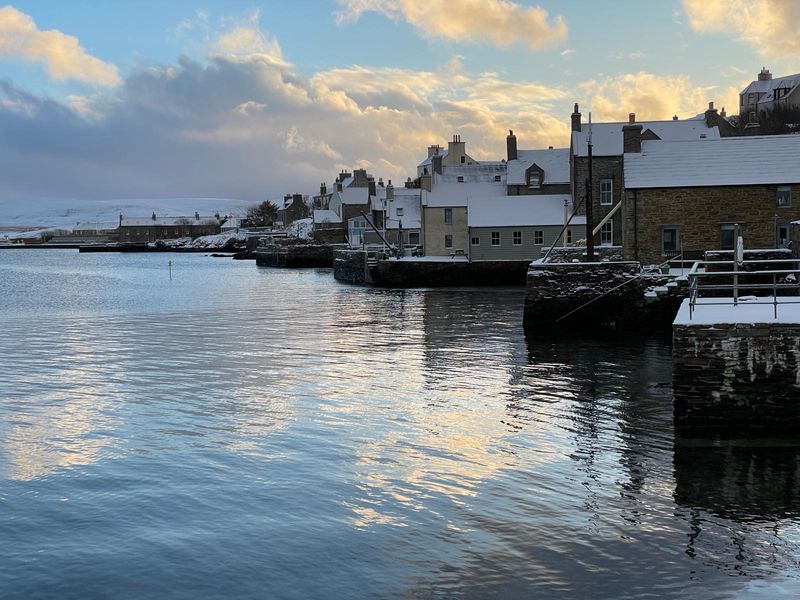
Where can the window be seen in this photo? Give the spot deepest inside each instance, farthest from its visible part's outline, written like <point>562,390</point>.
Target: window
<point>783,235</point>
<point>495,238</point>
<point>399,212</point>
<point>534,179</point>
<point>727,235</point>
<point>670,239</point>
<point>475,240</point>
<point>516,238</point>
<point>448,216</point>
<point>607,233</point>
<point>569,236</point>
<point>460,179</point>
<point>425,171</point>
<point>606,192</point>
<point>784,197</point>
<point>448,241</point>
<point>538,237</point>
<point>497,177</point>
<point>463,159</point>
<point>413,238</point>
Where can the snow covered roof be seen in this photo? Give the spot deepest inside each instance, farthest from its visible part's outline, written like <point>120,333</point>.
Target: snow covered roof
<point>769,86</point>
<point>554,161</point>
<point>353,195</point>
<point>607,137</point>
<point>95,225</point>
<point>756,160</point>
<point>167,221</point>
<point>429,161</point>
<point>458,194</point>
<point>326,216</point>
<point>508,211</point>
<point>411,209</point>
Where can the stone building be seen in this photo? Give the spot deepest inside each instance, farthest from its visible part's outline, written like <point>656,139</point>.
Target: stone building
<point>150,229</point>
<point>536,172</point>
<point>520,227</point>
<point>608,148</point>
<point>767,93</point>
<point>294,208</point>
<point>688,196</point>
<point>454,165</point>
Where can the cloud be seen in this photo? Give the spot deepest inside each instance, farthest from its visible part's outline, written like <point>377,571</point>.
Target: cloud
<point>567,51</point>
<point>651,97</point>
<point>62,54</point>
<point>629,55</point>
<point>500,22</point>
<point>768,25</point>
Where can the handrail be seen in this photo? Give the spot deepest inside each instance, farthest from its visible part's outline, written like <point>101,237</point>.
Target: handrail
<point>696,287</point>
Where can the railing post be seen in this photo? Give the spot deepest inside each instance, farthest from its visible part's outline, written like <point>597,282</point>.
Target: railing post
<point>775,295</point>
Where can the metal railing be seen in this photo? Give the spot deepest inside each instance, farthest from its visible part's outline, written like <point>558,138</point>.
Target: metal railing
<point>780,283</point>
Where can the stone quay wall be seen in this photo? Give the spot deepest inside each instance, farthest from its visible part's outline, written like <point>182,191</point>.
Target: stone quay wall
<point>351,266</point>
<point>295,257</point>
<point>556,289</point>
<point>407,274</point>
<point>736,379</point>
<point>571,253</point>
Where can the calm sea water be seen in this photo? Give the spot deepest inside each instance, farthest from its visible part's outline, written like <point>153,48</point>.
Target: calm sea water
<point>257,433</point>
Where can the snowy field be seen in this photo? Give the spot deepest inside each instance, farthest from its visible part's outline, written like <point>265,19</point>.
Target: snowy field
<point>16,216</point>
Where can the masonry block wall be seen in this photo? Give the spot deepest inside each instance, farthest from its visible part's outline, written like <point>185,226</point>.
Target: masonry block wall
<point>733,380</point>
<point>603,167</point>
<point>699,213</point>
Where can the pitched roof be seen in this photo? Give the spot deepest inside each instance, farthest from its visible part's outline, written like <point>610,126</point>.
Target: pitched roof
<point>769,86</point>
<point>354,195</point>
<point>554,161</point>
<point>521,211</point>
<point>429,160</point>
<point>458,194</point>
<point>167,221</point>
<point>607,137</point>
<point>326,216</point>
<point>756,160</point>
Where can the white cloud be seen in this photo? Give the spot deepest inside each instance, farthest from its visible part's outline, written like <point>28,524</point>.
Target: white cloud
<point>652,97</point>
<point>567,51</point>
<point>771,26</point>
<point>62,54</point>
<point>636,54</point>
<point>500,22</point>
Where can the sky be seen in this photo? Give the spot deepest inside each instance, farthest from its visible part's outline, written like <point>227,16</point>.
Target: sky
<point>252,100</point>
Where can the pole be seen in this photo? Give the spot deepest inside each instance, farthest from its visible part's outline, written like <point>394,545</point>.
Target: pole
<point>589,201</point>
<point>170,270</point>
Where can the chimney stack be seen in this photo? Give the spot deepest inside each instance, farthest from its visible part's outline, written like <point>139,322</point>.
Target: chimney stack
<point>323,189</point>
<point>674,117</point>
<point>511,145</point>
<point>711,115</point>
<point>631,118</point>
<point>576,119</point>
<point>389,190</point>
<point>631,138</point>
<point>764,75</point>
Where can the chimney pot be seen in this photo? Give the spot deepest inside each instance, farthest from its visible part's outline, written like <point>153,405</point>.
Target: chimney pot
<point>631,118</point>
<point>674,117</point>
<point>710,106</point>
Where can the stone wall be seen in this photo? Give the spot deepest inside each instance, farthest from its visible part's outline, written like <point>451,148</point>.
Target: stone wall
<point>603,167</point>
<point>295,257</point>
<point>350,266</point>
<point>409,273</point>
<point>733,380</point>
<point>699,213</point>
<point>596,293</point>
<point>572,253</point>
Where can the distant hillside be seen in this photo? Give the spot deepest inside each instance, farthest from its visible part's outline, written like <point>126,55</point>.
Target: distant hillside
<point>66,214</point>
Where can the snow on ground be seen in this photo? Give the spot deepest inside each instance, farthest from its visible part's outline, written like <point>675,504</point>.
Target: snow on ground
<point>16,216</point>
<point>302,228</point>
<point>205,241</point>
<point>749,310</point>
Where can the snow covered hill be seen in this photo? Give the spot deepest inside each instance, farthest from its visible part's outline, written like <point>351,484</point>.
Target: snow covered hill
<point>16,215</point>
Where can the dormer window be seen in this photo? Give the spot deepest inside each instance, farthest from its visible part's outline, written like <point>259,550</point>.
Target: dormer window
<point>460,179</point>
<point>463,159</point>
<point>535,179</point>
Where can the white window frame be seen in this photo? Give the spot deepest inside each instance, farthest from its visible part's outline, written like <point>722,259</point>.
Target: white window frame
<point>607,233</point>
<point>788,203</point>
<point>569,236</point>
<point>608,194</point>
<point>499,238</point>
<point>448,237</point>
<point>516,235</point>
<point>498,178</point>
<point>783,242</point>
<point>448,216</point>
<point>475,240</point>
<point>677,239</point>
<point>399,211</point>
<point>538,237</point>
<point>460,179</point>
